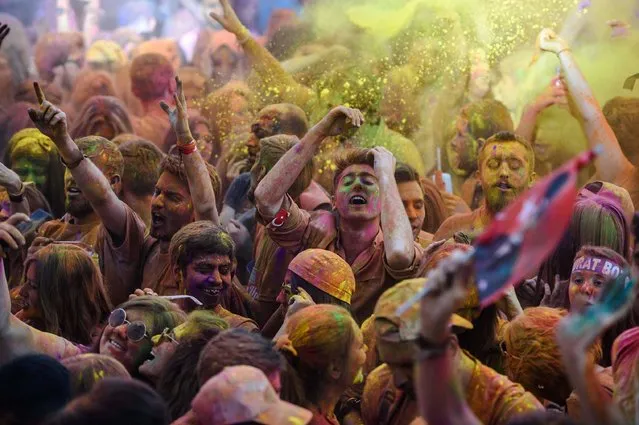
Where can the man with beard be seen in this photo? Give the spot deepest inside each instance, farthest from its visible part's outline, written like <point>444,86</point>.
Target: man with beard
<point>81,223</point>
<point>366,200</point>
<point>475,123</point>
<point>185,192</point>
<point>506,165</point>
<point>390,395</point>
<point>281,118</point>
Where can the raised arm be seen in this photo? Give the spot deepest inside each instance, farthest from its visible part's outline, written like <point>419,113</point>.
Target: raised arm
<point>15,188</point>
<point>95,187</point>
<point>444,403</point>
<point>555,94</point>
<point>4,31</point>
<point>399,246</point>
<point>270,71</point>
<point>613,163</point>
<point>197,175</point>
<point>270,192</point>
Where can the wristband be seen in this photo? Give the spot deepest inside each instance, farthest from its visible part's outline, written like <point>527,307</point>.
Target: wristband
<point>74,164</point>
<point>18,197</point>
<point>188,149</point>
<point>280,217</point>
<point>429,349</point>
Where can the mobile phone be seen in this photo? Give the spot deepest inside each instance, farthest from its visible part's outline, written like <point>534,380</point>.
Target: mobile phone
<point>26,228</point>
<point>446,177</point>
<point>38,217</point>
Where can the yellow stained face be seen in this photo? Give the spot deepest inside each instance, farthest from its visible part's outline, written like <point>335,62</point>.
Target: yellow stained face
<point>505,172</point>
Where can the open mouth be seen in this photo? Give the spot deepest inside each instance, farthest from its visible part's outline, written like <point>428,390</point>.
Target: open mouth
<point>73,191</point>
<point>504,186</point>
<point>358,200</point>
<point>118,346</point>
<point>156,219</point>
<point>212,291</point>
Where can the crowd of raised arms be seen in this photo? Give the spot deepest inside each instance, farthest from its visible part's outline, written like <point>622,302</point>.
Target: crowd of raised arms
<point>224,217</point>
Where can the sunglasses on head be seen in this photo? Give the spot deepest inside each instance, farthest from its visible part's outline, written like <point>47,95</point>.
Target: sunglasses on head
<point>135,331</point>
<point>166,333</point>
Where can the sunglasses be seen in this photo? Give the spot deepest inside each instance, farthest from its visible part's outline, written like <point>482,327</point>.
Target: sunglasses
<point>166,333</point>
<point>135,331</point>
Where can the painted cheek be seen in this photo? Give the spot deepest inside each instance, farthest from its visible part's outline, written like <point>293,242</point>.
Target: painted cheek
<point>194,287</point>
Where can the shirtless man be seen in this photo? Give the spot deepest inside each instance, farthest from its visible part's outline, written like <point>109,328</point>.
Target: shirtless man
<point>506,164</point>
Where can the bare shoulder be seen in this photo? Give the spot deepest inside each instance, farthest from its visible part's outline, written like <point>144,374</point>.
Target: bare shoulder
<point>456,223</point>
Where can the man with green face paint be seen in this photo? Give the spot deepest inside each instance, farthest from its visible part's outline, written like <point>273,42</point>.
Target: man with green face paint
<point>506,165</point>
<point>34,157</point>
<point>365,201</point>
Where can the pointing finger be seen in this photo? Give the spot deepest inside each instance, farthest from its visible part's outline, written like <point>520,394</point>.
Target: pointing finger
<point>165,107</point>
<point>39,92</point>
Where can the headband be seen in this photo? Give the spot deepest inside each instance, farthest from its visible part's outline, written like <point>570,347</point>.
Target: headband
<point>597,265</point>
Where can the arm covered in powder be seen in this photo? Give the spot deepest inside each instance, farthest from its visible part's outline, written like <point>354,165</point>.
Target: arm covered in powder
<point>444,403</point>
<point>197,174</point>
<point>272,75</point>
<point>270,192</point>
<point>15,188</point>
<point>95,187</point>
<point>399,246</point>
<point>613,163</point>
<point>555,94</point>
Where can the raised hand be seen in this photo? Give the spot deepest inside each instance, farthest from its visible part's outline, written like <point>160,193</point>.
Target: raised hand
<point>229,20</point>
<point>555,94</point>
<point>549,41</point>
<point>9,179</point>
<point>50,120</point>
<point>10,236</point>
<point>143,293</point>
<point>4,32</point>
<point>449,283</point>
<point>384,161</point>
<point>340,119</point>
<point>179,116</point>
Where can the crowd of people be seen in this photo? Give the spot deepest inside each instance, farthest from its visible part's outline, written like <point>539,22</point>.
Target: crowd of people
<point>222,231</point>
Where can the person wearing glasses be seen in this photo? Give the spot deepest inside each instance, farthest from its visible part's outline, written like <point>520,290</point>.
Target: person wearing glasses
<point>198,323</point>
<point>126,336</point>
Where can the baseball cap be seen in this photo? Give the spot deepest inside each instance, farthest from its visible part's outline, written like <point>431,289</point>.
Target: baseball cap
<point>326,271</point>
<point>402,332</point>
<point>243,394</point>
